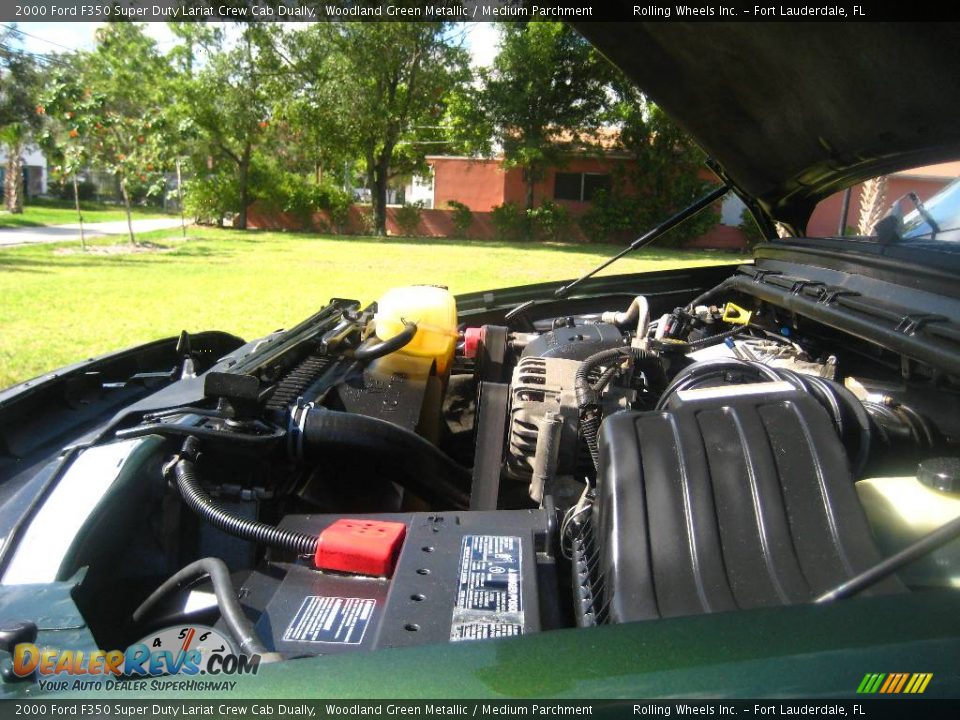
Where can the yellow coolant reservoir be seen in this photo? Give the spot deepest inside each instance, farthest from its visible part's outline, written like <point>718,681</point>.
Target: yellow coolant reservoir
<point>434,311</point>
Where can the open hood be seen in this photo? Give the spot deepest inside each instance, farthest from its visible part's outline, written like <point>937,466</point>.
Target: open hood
<point>792,112</point>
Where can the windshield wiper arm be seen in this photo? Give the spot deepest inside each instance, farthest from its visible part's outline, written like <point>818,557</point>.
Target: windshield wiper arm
<point>650,236</point>
<point>924,213</point>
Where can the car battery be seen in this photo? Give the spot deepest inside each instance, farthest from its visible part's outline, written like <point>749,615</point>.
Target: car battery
<point>457,576</point>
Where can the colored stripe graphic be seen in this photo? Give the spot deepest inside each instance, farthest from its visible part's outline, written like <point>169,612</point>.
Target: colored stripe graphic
<point>871,683</point>
<point>894,683</point>
<point>890,682</point>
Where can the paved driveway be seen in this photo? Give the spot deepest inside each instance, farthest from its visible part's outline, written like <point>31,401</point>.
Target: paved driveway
<point>66,233</point>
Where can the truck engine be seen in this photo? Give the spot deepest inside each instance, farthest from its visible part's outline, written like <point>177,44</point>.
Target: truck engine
<point>395,475</point>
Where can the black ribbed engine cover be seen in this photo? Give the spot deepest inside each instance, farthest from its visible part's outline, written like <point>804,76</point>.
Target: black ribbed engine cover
<point>737,496</point>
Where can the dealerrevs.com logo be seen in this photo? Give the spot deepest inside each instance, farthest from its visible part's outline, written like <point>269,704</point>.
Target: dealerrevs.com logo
<point>190,651</point>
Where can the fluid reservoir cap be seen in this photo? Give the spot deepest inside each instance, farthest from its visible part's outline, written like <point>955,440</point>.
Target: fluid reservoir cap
<point>472,339</point>
<point>940,473</point>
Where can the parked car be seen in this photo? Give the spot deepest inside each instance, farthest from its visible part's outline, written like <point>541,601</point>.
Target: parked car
<point>722,481</point>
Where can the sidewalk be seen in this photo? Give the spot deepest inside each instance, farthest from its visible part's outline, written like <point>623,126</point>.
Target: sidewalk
<point>66,233</point>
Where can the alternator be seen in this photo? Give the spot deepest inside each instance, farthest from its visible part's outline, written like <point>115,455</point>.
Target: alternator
<point>542,385</point>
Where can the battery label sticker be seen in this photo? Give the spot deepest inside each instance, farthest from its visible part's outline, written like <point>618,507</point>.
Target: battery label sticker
<point>335,620</point>
<point>490,592</point>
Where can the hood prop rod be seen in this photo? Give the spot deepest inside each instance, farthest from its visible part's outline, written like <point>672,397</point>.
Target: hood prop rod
<point>650,236</point>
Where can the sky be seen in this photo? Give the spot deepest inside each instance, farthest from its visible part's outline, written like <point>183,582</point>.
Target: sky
<point>49,37</point>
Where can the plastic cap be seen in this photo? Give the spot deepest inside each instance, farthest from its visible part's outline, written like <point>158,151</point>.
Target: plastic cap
<point>940,473</point>
<point>361,547</point>
<point>472,337</point>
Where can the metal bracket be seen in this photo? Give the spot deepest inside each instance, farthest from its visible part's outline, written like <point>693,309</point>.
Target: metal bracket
<point>830,296</point>
<point>912,324</point>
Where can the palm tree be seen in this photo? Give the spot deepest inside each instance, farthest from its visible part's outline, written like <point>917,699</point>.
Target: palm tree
<point>873,198</point>
<point>20,115</point>
<point>14,137</point>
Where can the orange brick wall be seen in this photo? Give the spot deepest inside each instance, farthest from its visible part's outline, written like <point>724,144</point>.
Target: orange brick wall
<point>478,184</point>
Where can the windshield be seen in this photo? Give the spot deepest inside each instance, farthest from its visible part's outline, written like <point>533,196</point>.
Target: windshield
<point>944,209</point>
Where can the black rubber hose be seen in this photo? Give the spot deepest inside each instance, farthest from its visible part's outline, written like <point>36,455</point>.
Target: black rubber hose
<point>605,379</point>
<point>699,300</point>
<point>389,450</point>
<point>202,504</point>
<point>588,401</point>
<point>374,348</point>
<point>233,616</point>
<point>713,339</point>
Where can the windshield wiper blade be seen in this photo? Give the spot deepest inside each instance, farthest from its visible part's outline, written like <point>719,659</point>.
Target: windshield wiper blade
<point>650,236</point>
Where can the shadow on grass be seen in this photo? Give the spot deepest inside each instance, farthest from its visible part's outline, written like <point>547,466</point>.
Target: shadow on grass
<point>17,221</point>
<point>17,263</point>
<point>599,250</point>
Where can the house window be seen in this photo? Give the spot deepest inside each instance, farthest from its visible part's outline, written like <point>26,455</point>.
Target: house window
<point>579,186</point>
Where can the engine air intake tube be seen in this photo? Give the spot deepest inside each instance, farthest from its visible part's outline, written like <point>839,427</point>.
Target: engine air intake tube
<point>868,430</point>
<point>320,435</point>
<point>198,500</point>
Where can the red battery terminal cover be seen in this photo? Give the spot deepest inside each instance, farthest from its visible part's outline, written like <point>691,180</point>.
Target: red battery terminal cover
<point>361,547</point>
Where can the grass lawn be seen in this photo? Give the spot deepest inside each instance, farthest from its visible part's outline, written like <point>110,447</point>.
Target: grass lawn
<point>63,212</point>
<point>58,308</point>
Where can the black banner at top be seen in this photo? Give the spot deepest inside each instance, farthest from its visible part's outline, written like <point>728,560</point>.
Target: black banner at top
<point>473,10</point>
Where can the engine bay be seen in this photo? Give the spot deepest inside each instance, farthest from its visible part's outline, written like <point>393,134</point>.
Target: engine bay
<point>393,475</point>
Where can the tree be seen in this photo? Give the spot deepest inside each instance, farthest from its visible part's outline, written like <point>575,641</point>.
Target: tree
<point>111,104</point>
<point>375,90</point>
<point>19,119</point>
<point>544,93</point>
<point>229,104</point>
<point>664,174</point>
<point>873,197</point>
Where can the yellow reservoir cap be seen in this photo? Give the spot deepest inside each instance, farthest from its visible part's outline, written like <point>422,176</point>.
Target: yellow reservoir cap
<point>433,309</point>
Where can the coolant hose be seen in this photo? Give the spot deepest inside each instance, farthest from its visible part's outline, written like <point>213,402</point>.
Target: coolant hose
<point>374,348</point>
<point>233,616</point>
<point>197,499</point>
<point>325,436</point>
<point>588,398</point>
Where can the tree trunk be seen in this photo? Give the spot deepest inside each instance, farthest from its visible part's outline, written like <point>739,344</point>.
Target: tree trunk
<point>13,182</point>
<point>241,221</point>
<point>380,194</point>
<point>183,220</point>
<point>76,200</point>
<point>528,176</point>
<point>126,206</point>
<point>873,199</point>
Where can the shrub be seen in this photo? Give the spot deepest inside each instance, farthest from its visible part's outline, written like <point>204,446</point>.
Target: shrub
<point>336,202</point>
<point>510,222</point>
<point>550,221</point>
<point>298,195</point>
<point>408,218</point>
<point>617,217</point>
<point>282,191</point>
<point>748,226</point>
<point>365,220</point>
<point>462,218</point>
<point>209,198</point>
<point>86,190</point>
